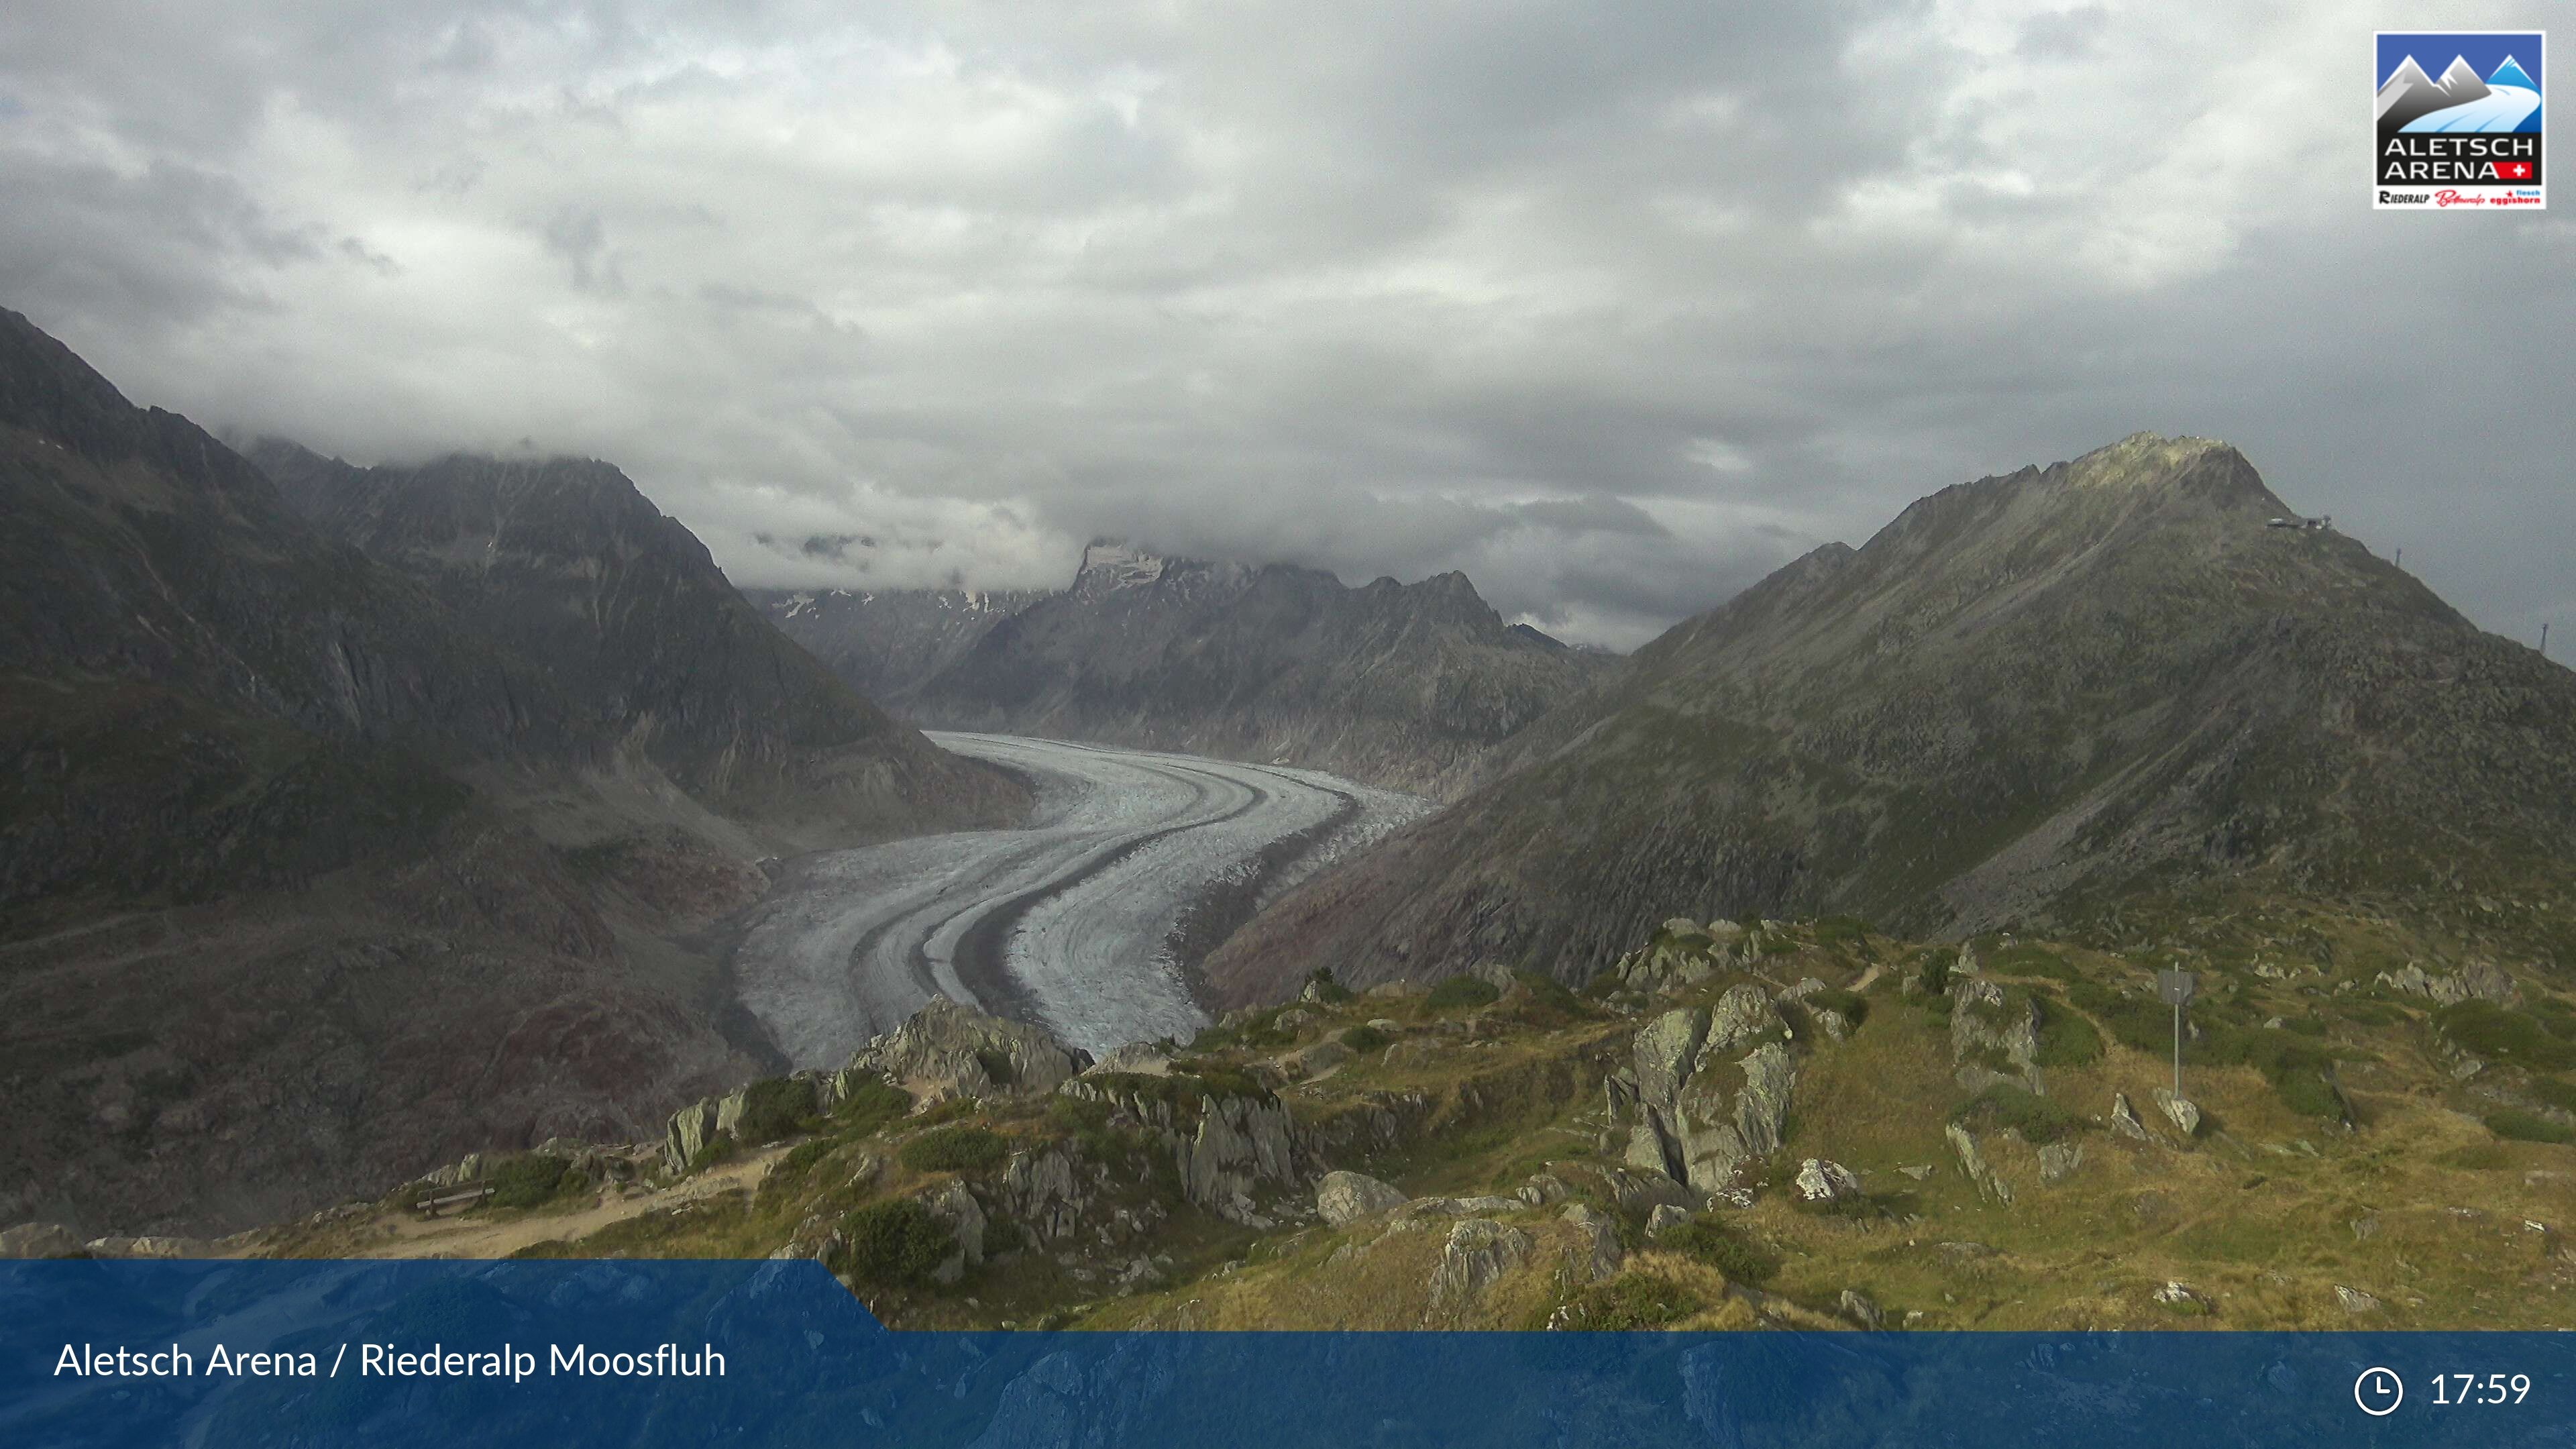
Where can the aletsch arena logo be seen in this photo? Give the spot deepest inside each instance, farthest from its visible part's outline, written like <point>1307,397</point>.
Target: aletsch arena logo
<point>2466,136</point>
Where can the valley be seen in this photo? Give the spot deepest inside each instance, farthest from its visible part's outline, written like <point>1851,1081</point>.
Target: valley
<point>1087,920</point>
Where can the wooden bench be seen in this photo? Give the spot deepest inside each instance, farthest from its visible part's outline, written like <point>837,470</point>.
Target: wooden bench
<point>463,1197</point>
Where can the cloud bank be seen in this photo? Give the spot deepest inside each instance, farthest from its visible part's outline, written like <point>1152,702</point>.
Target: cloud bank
<point>1614,307</point>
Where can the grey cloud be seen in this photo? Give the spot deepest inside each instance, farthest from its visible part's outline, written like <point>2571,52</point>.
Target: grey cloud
<point>1614,307</point>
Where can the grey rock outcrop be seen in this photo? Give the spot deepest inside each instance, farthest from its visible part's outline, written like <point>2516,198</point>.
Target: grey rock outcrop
<point>957,1051</point>
<point>1664,1219</point>
<point>1993,1038</point>
<point>1229,1149</point>
<point>963,1217</point>
<point>1823,1181</point>
<point>1857,1306</point>
<point>1974,1164</point>
<point>2182,1111</point>
<point>2124,1118</point>
<point>1596,1254</point>
<point>2058,1160</point>
<point>39,1240</point>
<point>1479,1251</point>
<point>1345,1196</point>
<point>1693,1110</point>
<point>2479,981</point>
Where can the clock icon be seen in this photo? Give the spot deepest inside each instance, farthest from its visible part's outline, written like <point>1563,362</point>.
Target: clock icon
<point>2378,1391</point>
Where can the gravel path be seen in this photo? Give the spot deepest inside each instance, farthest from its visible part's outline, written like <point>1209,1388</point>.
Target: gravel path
<point>1076,922</point>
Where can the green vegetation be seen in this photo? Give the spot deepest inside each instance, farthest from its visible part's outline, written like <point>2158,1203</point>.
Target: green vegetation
<point>2505,1035</point>
<point>1326,989</point>
<point>1625,1304</point>
<point>533,1180</point>
<point>1461,993</point>
<point>778,1108</point>
<point>2066,1039</point>
<point>2554,1092</point>
<point>1714,1244</point>
<point>2520,1126</point>
<point>1850,1005</point>
<point>2006,1107</point>
<point>893,1244</point>
<point>718,1150</point>
<point>873,1102</point>
<point>1365,1039</point>
<point>955,1149</point>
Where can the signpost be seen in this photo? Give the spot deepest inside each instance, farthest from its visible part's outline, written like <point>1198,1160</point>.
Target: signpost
<point>2176,987</point>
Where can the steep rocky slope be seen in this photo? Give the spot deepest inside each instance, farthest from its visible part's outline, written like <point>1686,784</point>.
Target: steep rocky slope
<point>1801,1125</point>
<point>305,870</point>
<point>2060,696</point>
<point>565,564</point>
<point>1398,685</point>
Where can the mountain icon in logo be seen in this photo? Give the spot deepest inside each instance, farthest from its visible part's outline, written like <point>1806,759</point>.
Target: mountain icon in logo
<point>2410,100</point>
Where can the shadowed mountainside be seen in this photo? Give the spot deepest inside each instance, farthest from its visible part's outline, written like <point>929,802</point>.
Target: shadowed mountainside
<point>307,871</point>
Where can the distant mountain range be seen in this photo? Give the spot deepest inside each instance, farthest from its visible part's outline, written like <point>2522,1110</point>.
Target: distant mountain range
<point>1398,685</point>
<point>332,845</point>
<point>2059,697</point>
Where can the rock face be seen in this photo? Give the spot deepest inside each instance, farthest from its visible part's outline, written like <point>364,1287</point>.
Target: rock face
<point>2477,981</point>
<point>1993,1038</point>
<point>2124,1118</point>
<point>564,564</point>
<point>888,643</point>
<point>1990,761</point>
<point>1697,1104</point>
<point>1232,1151</point>
<point>1397,685</point>
<point>1973,1163</point>
<point>950,1050</point>
<point>1479,1251</point>
<point>2183,1112</point>
<point>39,1240</point>
<point>1823,1181</point>
<point>1344,1196</point>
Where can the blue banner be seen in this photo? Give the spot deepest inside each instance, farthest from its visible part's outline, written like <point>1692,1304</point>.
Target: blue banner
<point>557,1355</point>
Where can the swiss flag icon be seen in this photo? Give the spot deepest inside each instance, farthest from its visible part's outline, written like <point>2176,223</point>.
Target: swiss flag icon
<point>2513,170</point>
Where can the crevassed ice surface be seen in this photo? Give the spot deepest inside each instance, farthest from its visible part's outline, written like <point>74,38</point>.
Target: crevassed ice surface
<point>1075,915</point>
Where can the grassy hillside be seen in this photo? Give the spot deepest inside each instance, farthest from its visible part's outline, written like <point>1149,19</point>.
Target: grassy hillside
<point>2369,1152</point>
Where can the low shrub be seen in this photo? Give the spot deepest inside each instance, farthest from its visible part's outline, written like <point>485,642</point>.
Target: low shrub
<point>955,1149</point>
<point>1851,1006</point>
<point>893,1244</point>
<point>1326,989</point>
<point>2517,1125</point>
<point>2554,1092</point>
<point>1627,1303</point>
<point>873,1102</point>
<point>1705,1240</point>
<point>2004,1106</point>
<point>1461,993</point>
<point>2066,1039</point>
<point>779,1107</point>
<point>530,1180</point>
<point>2505,1035</point>
<point>1365,1039</point>
<point>718,1150</point>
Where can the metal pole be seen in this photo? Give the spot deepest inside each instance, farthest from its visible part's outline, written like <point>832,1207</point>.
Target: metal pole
<point>2177,1048</point>
<point>2544,640</point>
<point>2401,558</point>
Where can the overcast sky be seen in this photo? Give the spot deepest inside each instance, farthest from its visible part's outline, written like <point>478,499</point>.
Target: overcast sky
<point>1614,306</point>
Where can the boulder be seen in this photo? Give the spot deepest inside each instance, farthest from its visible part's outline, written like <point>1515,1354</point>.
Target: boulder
<point>1345,1196</point>
<point>1140,1058</point>
<point>1992,1037</point>
<point>2184,1113</point>
<point>1973,1163</point>
<point>1742,1014</point>
<point>963,1217</point>
<point>1544,1189</point>
<point>1857,1307</point>
<point>1322,1057</point>
<point>1294,1020</point>
<point>2124,1118</point>
<point>957,1051</point>
<point>2355,1301</point>
<point>2058,1160</point>
<point>1478,1252</point>
<point>1596,1254</point>
<point>1824,1181</point>
<point>39,1240</point>
<point>1664,1219</point>
<point>2180,1295</point>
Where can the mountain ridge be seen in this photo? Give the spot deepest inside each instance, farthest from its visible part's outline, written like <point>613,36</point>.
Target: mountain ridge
<point>2024,701</point>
